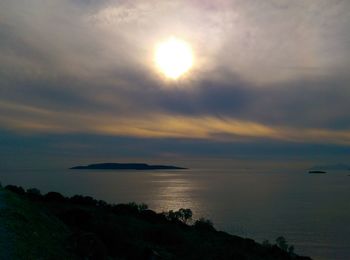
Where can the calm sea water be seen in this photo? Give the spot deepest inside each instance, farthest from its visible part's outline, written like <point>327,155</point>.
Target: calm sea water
<point>261,202</point>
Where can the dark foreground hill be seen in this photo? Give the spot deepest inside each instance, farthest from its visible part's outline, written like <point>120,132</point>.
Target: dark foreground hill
<point>126,166</point>
<point>55,227</point>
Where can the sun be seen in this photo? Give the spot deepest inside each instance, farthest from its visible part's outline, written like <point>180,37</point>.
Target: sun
<point>174,57</point>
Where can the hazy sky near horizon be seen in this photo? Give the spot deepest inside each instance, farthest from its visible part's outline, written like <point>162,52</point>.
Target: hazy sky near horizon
<point>266,73</point>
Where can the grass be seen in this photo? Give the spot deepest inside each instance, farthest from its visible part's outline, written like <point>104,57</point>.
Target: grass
<point>37,235</point>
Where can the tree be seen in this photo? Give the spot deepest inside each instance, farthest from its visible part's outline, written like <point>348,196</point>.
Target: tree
<point>185,215</point>
<point>282,243</point>
<point>291,250</point>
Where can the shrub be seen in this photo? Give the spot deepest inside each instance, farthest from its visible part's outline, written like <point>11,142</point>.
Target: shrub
<point>34,191</point>
<point>34,194</point>
<point>267,244</point>
<point>76,217</point>
<point>281,242</point>
<point>89,246</point>
<point>170,215</point>
<point>130,208</point>
<point>16,189</point>
<point>54,196</point>
<point>102,203</point>
<point>142,207</point>
<point>204,224</point>
<point>151,216</point>
<point>138,207</point>
<point>83,200</point>
<point>291,250</point>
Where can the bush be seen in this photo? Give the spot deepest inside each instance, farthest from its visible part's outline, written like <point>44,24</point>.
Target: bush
<point>34,194</point>
<point>151,216</point>
<point>89,246</point>
<point>267,244</point>
<point>16,189</point>
<point>54,196</point>
<point>34,191</point>
<point>281,242</point>
<point>76,217</point>
<point>138,207</point>
<point>83,200</point>
<point>291,250</point>
<point>204,224</point>
<point>102,204</point>
<point>142,207</point>
<point>130,208</point>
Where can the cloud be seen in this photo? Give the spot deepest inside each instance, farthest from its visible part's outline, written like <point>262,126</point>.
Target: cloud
<point>162,126</point>
<point>274,70</point>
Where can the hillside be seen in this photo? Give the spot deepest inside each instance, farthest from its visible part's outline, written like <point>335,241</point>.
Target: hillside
<point>51,226</point>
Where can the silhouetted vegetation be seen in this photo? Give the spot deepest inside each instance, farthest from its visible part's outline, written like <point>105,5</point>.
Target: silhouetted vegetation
<point>204,224</point>
<point>15,189</point>
<point>182,215</point>
<point>98,230</point>
<point>281,243</point>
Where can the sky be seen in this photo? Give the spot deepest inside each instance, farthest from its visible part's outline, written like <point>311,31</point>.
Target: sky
<point>78,80</point>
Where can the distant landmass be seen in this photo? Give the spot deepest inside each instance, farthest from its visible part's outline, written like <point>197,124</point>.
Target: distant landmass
<point>126,166</point>
<point>317,172</point>
<point>330,167</point>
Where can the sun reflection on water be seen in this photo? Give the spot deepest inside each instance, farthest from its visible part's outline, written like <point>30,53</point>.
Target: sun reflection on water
<point>175,191</point>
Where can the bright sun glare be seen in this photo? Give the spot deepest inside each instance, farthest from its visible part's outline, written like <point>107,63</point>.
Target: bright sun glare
<point>173,57</point>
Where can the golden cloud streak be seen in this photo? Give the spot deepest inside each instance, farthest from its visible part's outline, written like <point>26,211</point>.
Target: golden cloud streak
<point>24,118</point>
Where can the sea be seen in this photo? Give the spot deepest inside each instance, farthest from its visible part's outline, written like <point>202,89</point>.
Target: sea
<point>259,200</point>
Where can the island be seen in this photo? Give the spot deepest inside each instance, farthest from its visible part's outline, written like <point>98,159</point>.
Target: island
<point>126,166</point>
<point>317,172</point>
